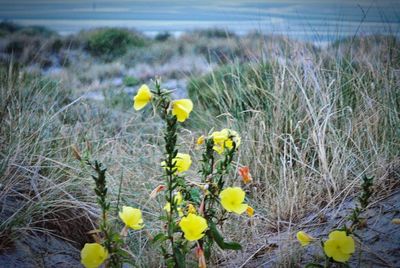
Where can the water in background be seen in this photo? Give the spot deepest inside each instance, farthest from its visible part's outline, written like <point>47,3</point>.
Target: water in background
<point>314,20</point>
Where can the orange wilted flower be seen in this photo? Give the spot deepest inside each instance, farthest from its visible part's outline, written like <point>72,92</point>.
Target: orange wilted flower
<point>156,190</point>
<point>244,172</point>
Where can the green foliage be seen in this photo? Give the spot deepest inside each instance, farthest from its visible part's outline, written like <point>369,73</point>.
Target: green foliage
<point>110,43</point>
<point>215,33</point>
<point>233,89</point>
<point>130,81</point>
<point>161,37</point>
<point>112,241</point>
<point>11,27</point>
<point>117,98</point>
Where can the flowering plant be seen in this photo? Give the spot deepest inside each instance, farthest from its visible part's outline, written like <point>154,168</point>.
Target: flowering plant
<point>193,210</point>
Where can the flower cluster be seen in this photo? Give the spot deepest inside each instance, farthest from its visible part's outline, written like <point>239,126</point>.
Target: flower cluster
<point>94,254</point>
<point>180,108</point>
<point>225,139</point>
<point>340,246</point>
<point>193,209</point>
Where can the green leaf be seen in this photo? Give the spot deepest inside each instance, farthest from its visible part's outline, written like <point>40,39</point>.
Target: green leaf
<point>195,195</point>
<point>170,263</point>
<point>160,238</point>
<point>314,265</point>
<point>232,246</point>
<point>180,257</point>
<point>220,240</point>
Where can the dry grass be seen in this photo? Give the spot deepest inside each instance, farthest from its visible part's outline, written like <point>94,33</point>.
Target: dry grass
<point>312,126</point>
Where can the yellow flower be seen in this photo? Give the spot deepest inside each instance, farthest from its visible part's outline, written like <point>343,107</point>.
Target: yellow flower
<point>142,97</point>
<point>250,211</point>
<point>93,255</point>
<point>219,138</point>
<point>200,140</point>
<point>224,139</point>
<point>178,198</point>
<point>232,200</point>
<point>339,246</point>
<point>182,162</point>
<point>191,209</point>
<point>233,137</point>
<point>132,217</point>
<point>193,226</point>
<point>167,208</point>
<point>182,109</point>
<point>304,238</point>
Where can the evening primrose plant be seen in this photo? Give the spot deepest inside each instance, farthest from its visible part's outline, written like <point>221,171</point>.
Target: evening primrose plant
<point>340,245</point>
<point>108,250</point>
<point>194,210</point>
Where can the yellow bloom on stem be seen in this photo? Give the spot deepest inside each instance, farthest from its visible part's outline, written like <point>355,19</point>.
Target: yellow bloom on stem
<point>304,238</point>
<point>232,200</point>
<point>200,140</point>
<point>339,246</point>
<point>182,162</point>
<point>93,255</point>
<point>191,209</point>
<point>219,138</point>
<point>250,211</point>
<point>193,226</point>
<point>132,217</point>
<point>182,108</point>
<point>167,208</point>
<point>224,139</point>
<point>233,137</point>
<point>143,96</point>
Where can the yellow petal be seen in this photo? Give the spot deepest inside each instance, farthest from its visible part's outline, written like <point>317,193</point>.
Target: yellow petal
<point>232,199</point>
<point>191,209</point>
<point>200,140</point>
<point>143,96</point>
<point>250,211</point>
<point>178,198</point>
<point>193,227</point>
<point>93,255</point>
<point>182,108</point>
<point>304,238</point>
<point>167,207</point>
<point>183,162</point>
<point>132,217</point>
<point>339,246</point>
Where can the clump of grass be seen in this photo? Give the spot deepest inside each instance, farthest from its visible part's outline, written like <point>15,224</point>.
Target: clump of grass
<point>130,81</point>
<point>39,190</point>
<point>313,125</point>
<point>110,43</point>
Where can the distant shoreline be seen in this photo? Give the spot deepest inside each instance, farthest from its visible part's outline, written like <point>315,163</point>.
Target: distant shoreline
<point>318,38</point>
